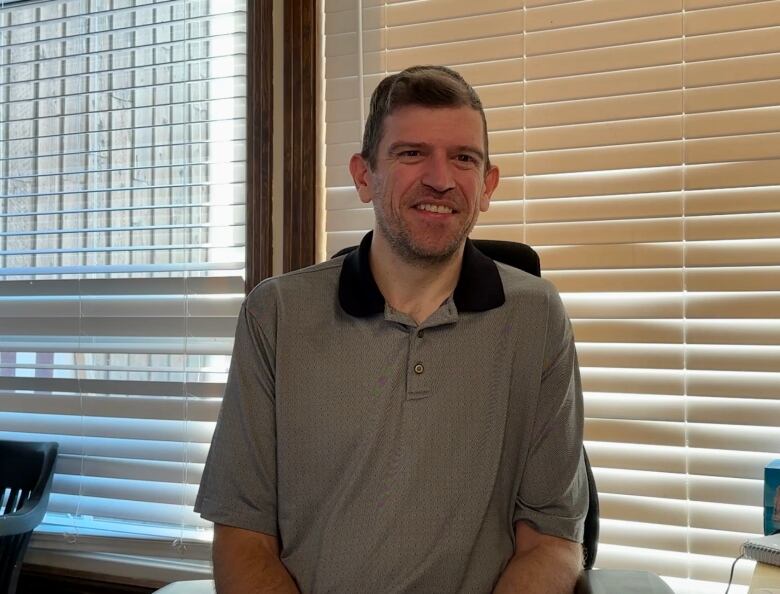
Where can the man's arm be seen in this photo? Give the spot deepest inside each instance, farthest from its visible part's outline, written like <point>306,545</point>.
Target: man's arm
<point>247,562</point>
<point>541,564</point>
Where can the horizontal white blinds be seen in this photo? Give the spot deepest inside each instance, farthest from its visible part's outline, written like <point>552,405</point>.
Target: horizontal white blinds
<point>122,151</point>
<point>639,147</point>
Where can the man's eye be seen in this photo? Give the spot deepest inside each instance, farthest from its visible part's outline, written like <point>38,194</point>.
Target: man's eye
<point>466,159</point>
<point>409,153</point>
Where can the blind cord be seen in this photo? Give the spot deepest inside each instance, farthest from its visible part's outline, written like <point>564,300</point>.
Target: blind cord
<point>731,575</point>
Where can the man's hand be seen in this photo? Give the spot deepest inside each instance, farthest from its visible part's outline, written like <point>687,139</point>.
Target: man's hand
<point>247,562</point>
<point>541,564</point>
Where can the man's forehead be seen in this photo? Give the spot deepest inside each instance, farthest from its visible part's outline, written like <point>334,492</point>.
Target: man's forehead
<point>459,125</point>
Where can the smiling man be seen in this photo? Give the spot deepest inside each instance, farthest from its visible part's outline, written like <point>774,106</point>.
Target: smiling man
<point>408,417</point>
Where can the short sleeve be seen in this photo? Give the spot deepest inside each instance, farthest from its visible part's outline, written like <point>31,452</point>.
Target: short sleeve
<point>553,493</point>
<point>238,487</point>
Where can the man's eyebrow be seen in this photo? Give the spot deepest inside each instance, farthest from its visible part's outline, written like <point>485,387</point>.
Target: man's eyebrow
<point>406,144</point>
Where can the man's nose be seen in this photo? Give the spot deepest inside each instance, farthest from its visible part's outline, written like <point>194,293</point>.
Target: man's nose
<point>437,174</point>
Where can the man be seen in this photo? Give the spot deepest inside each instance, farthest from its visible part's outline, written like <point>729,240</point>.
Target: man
<point>407,418</point>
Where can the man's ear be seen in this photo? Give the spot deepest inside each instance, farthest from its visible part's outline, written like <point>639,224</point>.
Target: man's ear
<point>361,175</point>
<point>490,184</point>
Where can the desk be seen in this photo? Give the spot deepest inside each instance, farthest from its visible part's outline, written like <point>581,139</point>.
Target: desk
<point>766,579</point>
<point>188,587</point>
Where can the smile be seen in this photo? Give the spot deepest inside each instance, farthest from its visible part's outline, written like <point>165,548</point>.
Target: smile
<point>438,208</point>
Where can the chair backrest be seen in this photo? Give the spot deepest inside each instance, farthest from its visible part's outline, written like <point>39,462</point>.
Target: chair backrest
<point>26,471</point>
<point>524,257</point>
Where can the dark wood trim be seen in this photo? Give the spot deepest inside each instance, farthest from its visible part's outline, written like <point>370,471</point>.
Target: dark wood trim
<point>259,142</point>
<point>300,133</point>
<point>41,578</point>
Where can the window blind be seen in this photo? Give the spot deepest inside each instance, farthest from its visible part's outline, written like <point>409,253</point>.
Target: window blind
<point>122,130</point>
<point>639,151</point>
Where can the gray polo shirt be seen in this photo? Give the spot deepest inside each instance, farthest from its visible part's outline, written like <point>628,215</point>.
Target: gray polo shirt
<point>392,457</point>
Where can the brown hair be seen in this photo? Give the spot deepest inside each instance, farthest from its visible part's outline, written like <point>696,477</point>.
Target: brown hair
<point>430,86</point>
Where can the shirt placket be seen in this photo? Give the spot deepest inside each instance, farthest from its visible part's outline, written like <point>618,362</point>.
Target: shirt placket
<point>418,372</point>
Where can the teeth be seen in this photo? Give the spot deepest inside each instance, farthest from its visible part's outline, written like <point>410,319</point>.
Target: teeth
<point>435,208</point>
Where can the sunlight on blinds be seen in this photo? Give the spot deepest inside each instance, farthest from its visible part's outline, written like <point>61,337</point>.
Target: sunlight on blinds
<point>639,148</point>
<point>122,153</point>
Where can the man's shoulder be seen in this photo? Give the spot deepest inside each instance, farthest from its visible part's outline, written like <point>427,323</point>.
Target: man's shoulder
<point>519,282</point>
<point>532,294</point>
<point>297,286</point>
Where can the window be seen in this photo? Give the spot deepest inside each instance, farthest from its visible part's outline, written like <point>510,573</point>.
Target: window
<point>639,145</point>
<point>122,151</point>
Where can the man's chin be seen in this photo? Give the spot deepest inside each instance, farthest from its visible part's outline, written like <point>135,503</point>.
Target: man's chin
<point>430,254</point>
<point>423,250</point>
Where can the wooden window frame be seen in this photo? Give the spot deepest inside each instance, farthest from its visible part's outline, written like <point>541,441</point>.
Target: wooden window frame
<point>300,133</point>
<point>300,138</point>
<point>259,142</point>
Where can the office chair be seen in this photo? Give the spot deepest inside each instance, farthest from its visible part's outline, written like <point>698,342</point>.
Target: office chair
<point>26,471</point>
<point>592,581</point>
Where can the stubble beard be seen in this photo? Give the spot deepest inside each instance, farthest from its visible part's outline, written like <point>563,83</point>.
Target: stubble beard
<point>400,239</point>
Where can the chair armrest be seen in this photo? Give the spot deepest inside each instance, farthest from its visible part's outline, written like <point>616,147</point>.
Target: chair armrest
<point>614,581</point>
<point>27,517</point>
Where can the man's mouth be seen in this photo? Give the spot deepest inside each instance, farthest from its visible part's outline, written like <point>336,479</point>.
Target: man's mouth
<point>437,208</point>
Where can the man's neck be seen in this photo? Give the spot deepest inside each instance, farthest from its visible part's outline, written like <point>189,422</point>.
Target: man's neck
<point>416,289</point>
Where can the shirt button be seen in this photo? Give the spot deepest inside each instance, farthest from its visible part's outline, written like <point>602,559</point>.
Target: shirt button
<point>420,333</point>
<point>418,369</point>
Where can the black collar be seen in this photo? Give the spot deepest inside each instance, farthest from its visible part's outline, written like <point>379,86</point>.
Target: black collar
<point>479,286</point>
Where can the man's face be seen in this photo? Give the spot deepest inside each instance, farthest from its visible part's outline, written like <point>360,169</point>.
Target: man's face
<point>430,181</point>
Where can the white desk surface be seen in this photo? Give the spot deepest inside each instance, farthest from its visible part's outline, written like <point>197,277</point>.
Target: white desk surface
<point>766,579</point>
